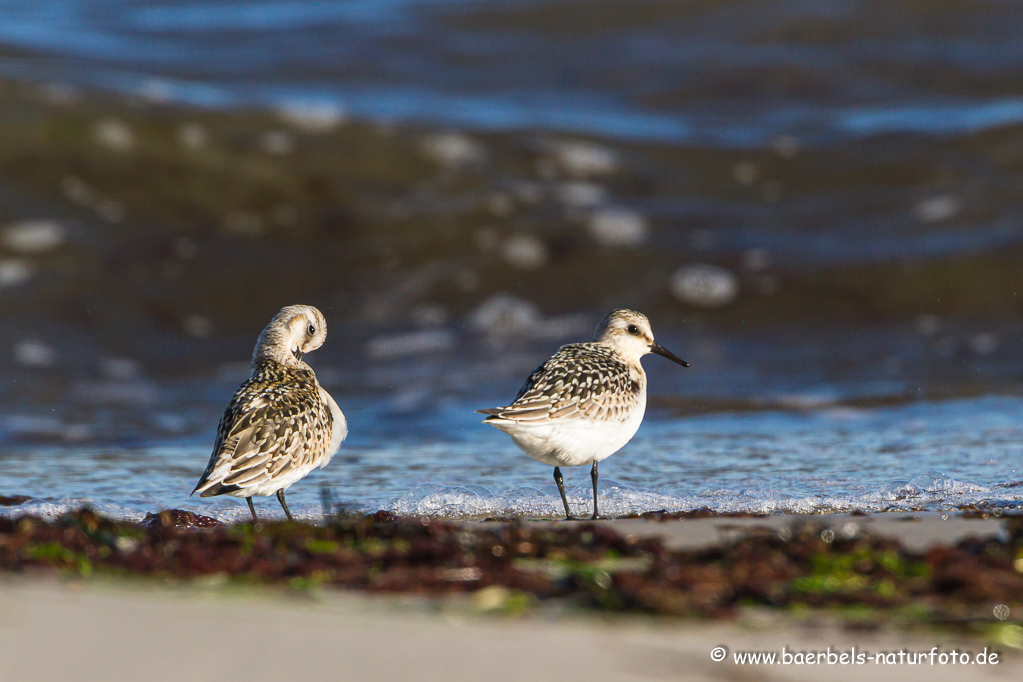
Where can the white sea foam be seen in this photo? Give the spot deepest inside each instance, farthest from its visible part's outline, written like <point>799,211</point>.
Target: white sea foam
<point>924,456</point>
<point>582,194</point>
<point>34,353</point>
<point>54,509</point>
<point>524,251</point>
<point>616,499</point>
<point>115,135</point>
<point>312,116</point>
<point>454,150</point>
<point>15,271</point>
<point>618,227</point>
<point>419,342</point>
<point>277,142</point>
<point>193,136</point>
<point>704,285</point>
<point>504,315</point>
<point>32,236</point>
<point>585,159</point>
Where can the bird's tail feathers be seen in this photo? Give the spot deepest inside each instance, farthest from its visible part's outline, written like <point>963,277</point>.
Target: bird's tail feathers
<point>493,411</point>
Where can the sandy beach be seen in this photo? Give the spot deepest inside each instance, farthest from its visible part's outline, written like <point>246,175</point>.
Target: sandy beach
<point>53,630</point>
<point>112,628</point>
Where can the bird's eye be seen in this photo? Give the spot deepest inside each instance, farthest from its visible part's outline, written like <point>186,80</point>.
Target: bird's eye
<point>312,330</point>
<point>633,329</point>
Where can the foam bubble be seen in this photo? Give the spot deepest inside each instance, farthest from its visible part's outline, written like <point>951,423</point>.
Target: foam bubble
<point>524,251</point>
<point>314,117</point>
<point>193,136</point>
<point>244,224</point>
<point>120,369</point>
<point>932,482</point>
<point>34,353</point>
<point>581,194</point>
<point>33,236</point>
<point>60,94</point>
<point>984,343</point>
<point>898,491</point>
<point>931,490</point>
<point>198,326</point>
<point>504,315</point>
<point>77,190</point>
<point>454,150</point>
<point>115,135</point>
<point>619,227</point>
<point>618,499</point>
<point>937,208</point>
<point>746,173</point>
<point>449,501</point>
<point>14,272</point>
<point>583,159</point>
<point>277,142</point>
<point>413,343</point>
<point>110,210</point>
<point>54,509</point>
<point>703,285</point>
<point>614,499</point>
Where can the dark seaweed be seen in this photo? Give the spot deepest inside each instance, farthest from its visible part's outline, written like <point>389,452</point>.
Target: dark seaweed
<point>590,565</point>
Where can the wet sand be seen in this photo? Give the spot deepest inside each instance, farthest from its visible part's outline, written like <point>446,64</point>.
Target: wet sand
<point>118,629</point>
<point>52,630</point>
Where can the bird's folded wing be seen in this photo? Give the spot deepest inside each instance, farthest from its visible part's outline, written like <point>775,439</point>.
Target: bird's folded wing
<point>573,385</point>
<point>259,438</point>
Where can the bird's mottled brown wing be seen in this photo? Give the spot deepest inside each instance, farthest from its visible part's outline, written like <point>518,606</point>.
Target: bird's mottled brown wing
<point>275,422</point>
<point>581,381</point>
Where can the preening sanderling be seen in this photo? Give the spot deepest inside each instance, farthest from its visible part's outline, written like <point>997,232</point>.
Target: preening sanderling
<point>587,401</point>
<point>281,424</point>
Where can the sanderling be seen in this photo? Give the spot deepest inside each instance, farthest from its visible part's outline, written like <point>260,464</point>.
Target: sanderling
<point>280,424</point>
<point>587,401</point>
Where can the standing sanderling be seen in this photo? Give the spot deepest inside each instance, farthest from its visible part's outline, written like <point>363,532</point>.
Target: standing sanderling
<point>587,401</point>
<point>280,424</point>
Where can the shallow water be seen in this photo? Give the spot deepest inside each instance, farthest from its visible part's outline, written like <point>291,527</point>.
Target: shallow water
<point>785,142</point>
<point>936,455</point>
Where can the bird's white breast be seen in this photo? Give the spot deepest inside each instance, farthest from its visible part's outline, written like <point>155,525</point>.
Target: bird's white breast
<point>574,442</point>
<point>339,428</point>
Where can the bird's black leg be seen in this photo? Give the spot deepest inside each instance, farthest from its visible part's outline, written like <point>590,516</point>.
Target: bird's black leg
<point>252,509</point>
<point>280,498</point>
<point>593,477</point>
<point>561,489</point>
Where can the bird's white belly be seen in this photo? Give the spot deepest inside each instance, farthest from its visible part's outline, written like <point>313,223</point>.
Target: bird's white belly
<point>339,428</point>
<point>573,442</point>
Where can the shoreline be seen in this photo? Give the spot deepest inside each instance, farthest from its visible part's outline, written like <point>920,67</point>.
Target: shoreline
<point>524,600</point>
<point>916,568</point>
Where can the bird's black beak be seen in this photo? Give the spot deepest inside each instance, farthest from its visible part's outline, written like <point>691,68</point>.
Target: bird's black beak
<point>298,354</point>
<point>665,353</point>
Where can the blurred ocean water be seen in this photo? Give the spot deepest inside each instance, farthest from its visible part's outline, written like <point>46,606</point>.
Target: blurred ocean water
<point>818,205</point>
<point>733,74</point>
